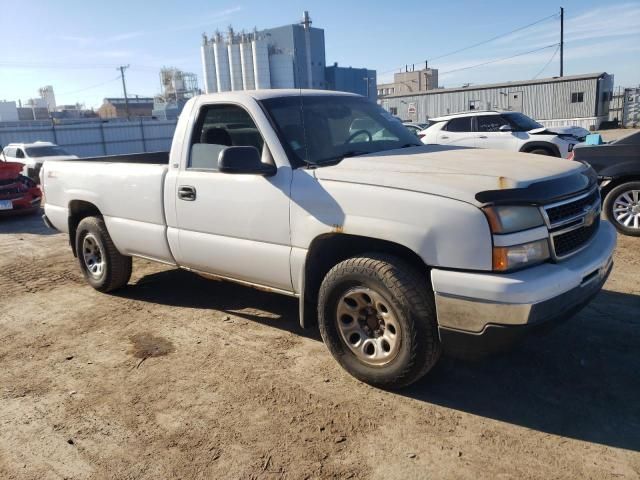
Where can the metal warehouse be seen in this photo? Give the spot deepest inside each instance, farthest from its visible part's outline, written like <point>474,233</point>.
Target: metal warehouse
<point>581,100</point>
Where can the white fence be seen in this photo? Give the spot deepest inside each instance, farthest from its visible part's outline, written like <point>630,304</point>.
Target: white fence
<point>97,138</point>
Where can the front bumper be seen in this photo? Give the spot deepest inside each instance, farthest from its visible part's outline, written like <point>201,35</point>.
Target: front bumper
<point>486,312</point>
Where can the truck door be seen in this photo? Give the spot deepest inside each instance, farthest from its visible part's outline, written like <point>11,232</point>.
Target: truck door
<point>232,225</point>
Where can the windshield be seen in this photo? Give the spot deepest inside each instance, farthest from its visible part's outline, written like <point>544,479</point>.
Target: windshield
<point>46,151</point>
<point>324,129</point>
<point>520,122</point>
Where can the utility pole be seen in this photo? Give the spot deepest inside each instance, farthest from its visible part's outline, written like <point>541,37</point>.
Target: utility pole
<point>561,41</point>
<point>122,68</point>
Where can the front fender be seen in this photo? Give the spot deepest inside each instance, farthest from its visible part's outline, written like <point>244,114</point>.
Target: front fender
<point>527,147</point>
<point>444,232</point>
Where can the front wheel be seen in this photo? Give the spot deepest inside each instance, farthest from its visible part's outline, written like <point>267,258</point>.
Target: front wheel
<point>102,265</point>
<point>541,151</point>
<point>377,317</point>
<point>622,208</point>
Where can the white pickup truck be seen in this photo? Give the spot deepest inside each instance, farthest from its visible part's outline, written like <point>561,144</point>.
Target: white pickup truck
<point>398,250</point>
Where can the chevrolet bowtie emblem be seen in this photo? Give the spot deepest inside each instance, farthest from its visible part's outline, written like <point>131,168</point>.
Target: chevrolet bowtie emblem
<point>590,216</point>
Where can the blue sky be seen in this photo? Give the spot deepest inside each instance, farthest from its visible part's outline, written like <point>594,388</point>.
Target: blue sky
<point>76,45</point>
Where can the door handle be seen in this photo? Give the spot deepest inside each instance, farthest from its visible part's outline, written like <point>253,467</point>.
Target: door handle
<point>187,192</point>
<point>444,137</point>
<point>482,136</point>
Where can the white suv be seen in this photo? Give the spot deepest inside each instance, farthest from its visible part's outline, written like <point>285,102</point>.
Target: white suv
<point>502,130</point>
<point>33,155</point>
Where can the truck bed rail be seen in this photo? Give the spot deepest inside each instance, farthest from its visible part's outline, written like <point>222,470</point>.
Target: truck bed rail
<point>154,158</point>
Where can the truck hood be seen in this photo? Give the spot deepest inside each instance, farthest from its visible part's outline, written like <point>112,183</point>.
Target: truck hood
<point>454,172</point>
<point>577,132</point>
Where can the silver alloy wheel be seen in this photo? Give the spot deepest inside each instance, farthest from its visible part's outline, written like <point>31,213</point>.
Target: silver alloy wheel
<point>626,209</point>
<point>368,326</point>
<point>92,256</point>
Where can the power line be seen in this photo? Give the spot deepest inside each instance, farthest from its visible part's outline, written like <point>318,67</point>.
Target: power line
<point>547,64</point>
<point>498,60</point>
<point>479,43</point>
<point>51,66</point>
<point>91,87</point>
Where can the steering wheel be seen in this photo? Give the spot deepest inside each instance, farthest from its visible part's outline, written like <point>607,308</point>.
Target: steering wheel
<point>356,133</point>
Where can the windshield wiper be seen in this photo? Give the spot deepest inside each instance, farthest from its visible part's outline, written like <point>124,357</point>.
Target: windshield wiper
<point>407,145</point>
<point>339,158</point>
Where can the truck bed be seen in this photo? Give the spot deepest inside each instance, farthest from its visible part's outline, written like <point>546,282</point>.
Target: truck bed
<point>126,189</point>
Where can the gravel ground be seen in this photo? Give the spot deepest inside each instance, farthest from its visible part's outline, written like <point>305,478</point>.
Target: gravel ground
<point>180,377</point>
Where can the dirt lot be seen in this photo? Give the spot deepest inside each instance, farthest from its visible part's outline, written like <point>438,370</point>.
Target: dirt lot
<point>181,377</point>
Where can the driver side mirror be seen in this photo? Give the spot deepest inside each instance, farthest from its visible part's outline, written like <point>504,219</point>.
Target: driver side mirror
<point>244,160</point>
<point>505,128</point>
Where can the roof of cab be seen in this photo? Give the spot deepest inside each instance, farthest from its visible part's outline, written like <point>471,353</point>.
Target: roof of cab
<point>279,92</point>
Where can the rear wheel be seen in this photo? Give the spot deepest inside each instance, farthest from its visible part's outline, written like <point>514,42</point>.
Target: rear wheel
<point>377,317</point>
<point>622,208</point>
<point>102,265</point>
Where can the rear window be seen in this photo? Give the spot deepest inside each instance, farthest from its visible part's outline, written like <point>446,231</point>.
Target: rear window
<point>46,151</point>
<point>462,124</point>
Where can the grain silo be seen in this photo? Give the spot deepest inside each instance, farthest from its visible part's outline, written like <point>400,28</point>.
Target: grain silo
<point>235,65</point>
<point>208,66</point>
<point>246,58</point>
<point>261,70</point>
<point>281,67</point>
<point>221,53</point>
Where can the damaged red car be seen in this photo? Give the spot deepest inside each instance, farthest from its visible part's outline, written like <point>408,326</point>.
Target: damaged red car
<point>18,194</point>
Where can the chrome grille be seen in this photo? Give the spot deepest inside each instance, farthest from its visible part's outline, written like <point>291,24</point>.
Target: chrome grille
<point>572,223</point>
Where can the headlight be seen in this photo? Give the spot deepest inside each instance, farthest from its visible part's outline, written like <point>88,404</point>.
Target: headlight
<point>519,256</point>
<point>511,219</point>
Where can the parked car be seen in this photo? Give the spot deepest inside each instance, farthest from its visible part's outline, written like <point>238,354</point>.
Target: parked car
<point>415,127</point>
<point>502,130</point>
<point>618,167</point>
<point>33,155</point>
<point>398,250</point>
<point>18,194</point>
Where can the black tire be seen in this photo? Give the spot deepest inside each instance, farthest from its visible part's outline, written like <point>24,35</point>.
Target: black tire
<point>540,151</point>
<point>411,301</point>
<point>116,268</point>
<point>609,202</point>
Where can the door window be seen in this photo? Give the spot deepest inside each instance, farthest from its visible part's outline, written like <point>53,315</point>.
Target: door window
<point>19,153</point>
<point>462,124</point>
<point>490,123</point>
<point>219,127</point>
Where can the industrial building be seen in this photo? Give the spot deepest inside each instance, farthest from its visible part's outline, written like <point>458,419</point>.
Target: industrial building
<point>117,107</point>
<point>291,56</point>
<point>355,80</point>
<point>581,100</point>
<point>625,107</point>
<point>8,111</point>
<point>46,94</point>
<point>177,88</point>
<point>410,81</point>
